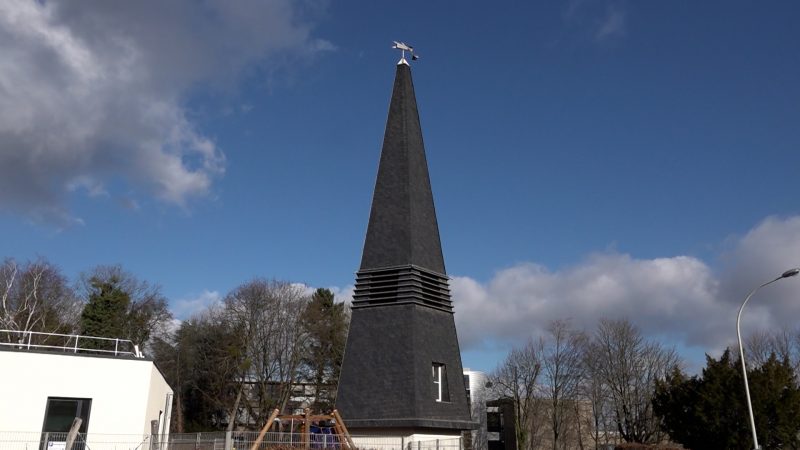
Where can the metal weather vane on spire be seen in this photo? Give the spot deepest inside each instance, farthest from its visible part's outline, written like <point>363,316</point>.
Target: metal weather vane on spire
<point>403,47</point>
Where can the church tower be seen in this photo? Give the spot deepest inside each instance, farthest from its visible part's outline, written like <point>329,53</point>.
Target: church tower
<point>402,373</point>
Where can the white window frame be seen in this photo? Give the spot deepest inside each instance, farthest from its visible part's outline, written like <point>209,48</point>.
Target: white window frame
<point>437,379</point>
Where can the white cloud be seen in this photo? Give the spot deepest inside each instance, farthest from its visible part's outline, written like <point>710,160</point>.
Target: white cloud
<point>679,299</point>
<point>304,288</point>
<point>187,307</point>
<point>92,92</point>
<point>343,294</point>
<point>599,20</point>
<point>613,24</point>
<point>763,253</point>
<point>340,294</point>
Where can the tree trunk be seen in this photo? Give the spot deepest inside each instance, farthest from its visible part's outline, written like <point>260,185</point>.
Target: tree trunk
<point>232,415</point>
<point>179,411</point>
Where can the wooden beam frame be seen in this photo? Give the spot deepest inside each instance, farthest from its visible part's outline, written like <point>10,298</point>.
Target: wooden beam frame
<point>306,420</point>
<point>264,430</point>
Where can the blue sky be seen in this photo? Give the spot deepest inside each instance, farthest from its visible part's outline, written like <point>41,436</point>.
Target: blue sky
<point>588,158</point>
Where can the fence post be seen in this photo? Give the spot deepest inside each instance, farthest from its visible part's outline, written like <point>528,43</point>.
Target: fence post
<point>419,445</point>
<point>228,440</point>
<point>306,428</point>
<point>402,443</point>
<point>437,444</point>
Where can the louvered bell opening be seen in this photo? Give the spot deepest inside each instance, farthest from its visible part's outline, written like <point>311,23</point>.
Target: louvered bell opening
<point>402,285</point>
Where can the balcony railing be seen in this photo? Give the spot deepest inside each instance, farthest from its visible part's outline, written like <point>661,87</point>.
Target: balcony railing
<point>68,343</point>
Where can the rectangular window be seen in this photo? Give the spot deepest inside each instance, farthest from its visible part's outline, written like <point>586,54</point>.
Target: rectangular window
<point>441,393</point>
<point>61,411</point>
<point>494,422</point>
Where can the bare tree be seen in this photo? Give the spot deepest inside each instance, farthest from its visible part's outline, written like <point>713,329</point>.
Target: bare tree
<point>35,297</point>
<point>594,392</point>
<point>758,346</point>
<point>269,316</point>
<point>629,367</point>
<point>783,343</point>
<point>562,364</point>
<point>516,378</point>
<point>235,362</point>
<point>208,365</point>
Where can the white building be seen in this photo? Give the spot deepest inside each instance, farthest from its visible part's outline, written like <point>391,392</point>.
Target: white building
<point>46,381</point>
<point>476,383</point>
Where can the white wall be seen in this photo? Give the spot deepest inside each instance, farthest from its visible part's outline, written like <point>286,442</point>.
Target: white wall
<point>156,401</point>
<point>121,390</point>
<point>409,442</point>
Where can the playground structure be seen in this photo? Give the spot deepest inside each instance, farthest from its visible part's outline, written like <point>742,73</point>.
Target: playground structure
<point>308,421</point>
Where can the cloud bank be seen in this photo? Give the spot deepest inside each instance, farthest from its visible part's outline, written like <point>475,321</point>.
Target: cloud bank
<point>185,308</point>
<point>92,93</point>
<point>679,299</point>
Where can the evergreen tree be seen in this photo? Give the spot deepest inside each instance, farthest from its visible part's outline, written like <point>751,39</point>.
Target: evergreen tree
<point>105,313</point>
<point>325,323</point>
<point>776,404</point>
<point>705,411</point>
<point>710,411</point>
<point>118,305</point>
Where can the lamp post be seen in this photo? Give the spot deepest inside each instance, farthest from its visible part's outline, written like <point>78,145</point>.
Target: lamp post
<point>787,274</point>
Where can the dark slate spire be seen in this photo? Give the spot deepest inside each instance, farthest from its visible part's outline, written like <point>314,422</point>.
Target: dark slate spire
<point>402,224</point>
<point>402,365</point>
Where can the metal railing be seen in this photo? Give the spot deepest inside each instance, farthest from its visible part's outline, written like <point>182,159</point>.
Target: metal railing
<point>237,440</point>
<point>68,343</point>
<point>243,440</point>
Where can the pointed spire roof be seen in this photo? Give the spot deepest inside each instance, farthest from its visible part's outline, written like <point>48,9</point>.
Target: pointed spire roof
<point>402,320</point>
<point>402,223</point>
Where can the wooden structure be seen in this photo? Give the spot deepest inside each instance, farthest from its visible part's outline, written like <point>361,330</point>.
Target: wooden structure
<point>306,420</point>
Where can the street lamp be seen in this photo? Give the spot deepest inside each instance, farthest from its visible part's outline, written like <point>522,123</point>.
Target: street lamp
<point>787,274</point>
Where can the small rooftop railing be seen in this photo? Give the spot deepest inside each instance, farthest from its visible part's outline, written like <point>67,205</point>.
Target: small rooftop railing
<point>69,343</point>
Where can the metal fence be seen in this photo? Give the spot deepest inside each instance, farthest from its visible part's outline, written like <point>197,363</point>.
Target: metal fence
<point>216,441</point>
<point>58,441</point>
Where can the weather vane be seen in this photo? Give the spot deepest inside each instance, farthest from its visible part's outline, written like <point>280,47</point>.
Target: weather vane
<point>403,47</point>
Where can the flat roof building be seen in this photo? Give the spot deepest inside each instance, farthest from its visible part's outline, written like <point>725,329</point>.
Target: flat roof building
<point>47,380</point>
